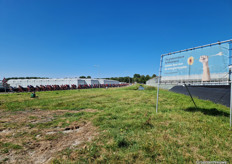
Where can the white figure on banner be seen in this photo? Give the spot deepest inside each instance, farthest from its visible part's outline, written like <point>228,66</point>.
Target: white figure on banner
<point>206,73</point>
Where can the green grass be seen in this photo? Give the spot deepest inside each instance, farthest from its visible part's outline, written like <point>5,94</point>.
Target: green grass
<point>5,147</point>
<point>131,131</point>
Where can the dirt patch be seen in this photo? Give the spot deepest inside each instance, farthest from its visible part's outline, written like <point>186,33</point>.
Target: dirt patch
<point>38,136</point>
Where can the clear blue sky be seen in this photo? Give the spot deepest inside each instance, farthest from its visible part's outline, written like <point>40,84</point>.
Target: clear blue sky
<point>106,38</point>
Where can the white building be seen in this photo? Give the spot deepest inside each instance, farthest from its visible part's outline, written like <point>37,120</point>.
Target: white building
<point>105,81</point>
<point>67,81</point>
<point>37,82</point>
<point>152,82</point>
<point>92,81</point>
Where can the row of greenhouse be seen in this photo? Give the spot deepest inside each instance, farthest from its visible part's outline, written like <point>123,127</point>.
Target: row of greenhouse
<point>68,81</point>
<point>20,85</point>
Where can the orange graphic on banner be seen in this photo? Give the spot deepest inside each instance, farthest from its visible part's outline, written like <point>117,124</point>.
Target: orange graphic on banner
<point>190,60</point>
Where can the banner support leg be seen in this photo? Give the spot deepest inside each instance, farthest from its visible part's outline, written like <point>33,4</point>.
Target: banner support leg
<point>190,95</point>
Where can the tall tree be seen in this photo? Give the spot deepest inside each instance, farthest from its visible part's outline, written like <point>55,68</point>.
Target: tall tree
<point>147,77</point>
<point>142,79</point>
<point>136,75</point>
<point>154,75</point>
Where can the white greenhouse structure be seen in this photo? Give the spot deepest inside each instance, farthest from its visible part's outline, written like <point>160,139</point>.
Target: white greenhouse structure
<point>37,82</point>
<point>92,81</point>
<point>105,81</point>
<point>66,81</point>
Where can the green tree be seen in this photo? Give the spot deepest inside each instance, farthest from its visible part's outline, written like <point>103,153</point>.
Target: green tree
<point>147,77</point>
<point>142,79</point>
<point>121,79</point>
<point>89,77</point>
<point>82,77</point>
<point>154,75</point>
<point>136,79</point>
<point>136,75</point>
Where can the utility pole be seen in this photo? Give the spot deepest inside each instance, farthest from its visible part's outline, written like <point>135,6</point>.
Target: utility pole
<point>4,83</point>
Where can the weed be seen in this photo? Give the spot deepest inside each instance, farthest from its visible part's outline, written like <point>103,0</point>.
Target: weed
<point>33,117</point>
<point>6,147</point>
<point>122,142</point>
<point>52,137</point>
<point>5,159</point>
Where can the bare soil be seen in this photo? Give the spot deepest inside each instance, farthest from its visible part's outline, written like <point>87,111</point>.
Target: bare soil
<point>40,145</point>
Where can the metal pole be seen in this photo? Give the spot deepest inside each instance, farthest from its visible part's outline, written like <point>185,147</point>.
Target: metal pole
<point>99,76</point>
<point>230,66</point>
<point>159,77</point>
<point>230,103</point>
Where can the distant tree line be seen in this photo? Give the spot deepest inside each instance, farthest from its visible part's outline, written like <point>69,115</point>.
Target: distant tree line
<point>85,77</point>
<point>136,78</point>
<point>26,78</point>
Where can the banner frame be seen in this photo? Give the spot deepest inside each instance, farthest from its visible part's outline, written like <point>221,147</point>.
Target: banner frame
<point>189,49</point>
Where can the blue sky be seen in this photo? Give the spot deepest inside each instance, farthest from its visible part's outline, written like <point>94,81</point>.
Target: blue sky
<point>106,38</point>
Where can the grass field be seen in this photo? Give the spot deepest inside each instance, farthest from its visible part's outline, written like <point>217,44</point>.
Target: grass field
<point>117,125</point>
